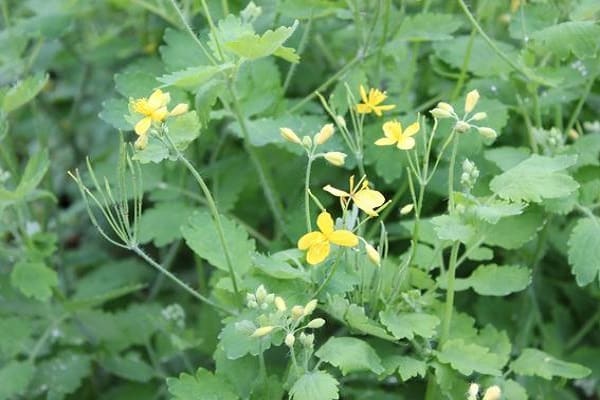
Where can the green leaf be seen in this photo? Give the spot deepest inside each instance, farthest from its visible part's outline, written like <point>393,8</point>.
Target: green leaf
<point>584,250</point>
<point>23,92</point>
<point>513,232</point>
<point>110,277</point>
<point>235,340</point>
<point>61,375</point>
<point>131,368</point>
<point>492,211</point>
<point>192,77</point>
<point>407,325</point>
<point>36,168</point>
<point>15,376</point>
<point>315,385</point>
<point>200,234</point>
<point>535,179</point>
<point>34,279</point>
<point>181,51</point>
<point>507,157</point>
<point>15,333</point>
<point>201,386</point>
<point>113,112</point>
<point>409,367</point>
<point>533,362</point>
<point>451,227</point>
<point>253,46</point>
<point>162,223</point>
<point>494,280</point>
<point>349,355</point>
<point>469,358</point>
<point>577,37</point>
<point>427,26</point>
<point>277,268</point>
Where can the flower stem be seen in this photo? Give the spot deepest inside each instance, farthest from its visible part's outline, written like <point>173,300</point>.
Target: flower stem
<point>306,193</point>
<point>329,276</point>
<point>449,306</point>
<point>451,174</point>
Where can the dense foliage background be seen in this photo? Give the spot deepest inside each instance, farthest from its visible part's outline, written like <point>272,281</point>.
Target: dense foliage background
<point>83,319</point>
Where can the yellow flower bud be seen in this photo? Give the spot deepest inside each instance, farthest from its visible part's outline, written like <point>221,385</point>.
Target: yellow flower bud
<point>492,393</point>
<point>440,113</point>
<point>141,143</point>
<point>290,135</point>
<point>280,304</point>
<point>479,116</point>
<point>261,293</point>
<point>324,134</point>
<point>179,109</point>
<point>462,126</point>
<point>487,133</point>
<point>335,158</point>
<point>445,106</point>
<point>310,307</point>
<point>407,209</point>
<point>473,391</point>
<point>373,254</point>
<point>316,323</point>
<point>471,100</point>
<point>262,331</point>
<point>289,340</point>
<point>297,312</point>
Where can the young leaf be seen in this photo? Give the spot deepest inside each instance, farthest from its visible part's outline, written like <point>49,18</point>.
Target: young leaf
<point>200,234</point>
<point>493,280</point>
<point>468,358</point>
<point>192,77</point>
<point>584,250</point>
<point>34,279</point>
<point>535,179</point>
<point>202,385</point>
<point>407,325</point>
<point>315,385</point>
<point>535,362</point>
<point>451,227</point>
<point>23,92</point>
<point>349,355</point>
<point>253,46</point>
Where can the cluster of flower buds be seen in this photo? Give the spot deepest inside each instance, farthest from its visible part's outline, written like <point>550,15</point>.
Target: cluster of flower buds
<point>492,393</point>
<point>335,158</point>
<point>174,313</point>
<point>551,141</point>
<point>469,175</point>
<point>464,124</point>
<point>260,298</point>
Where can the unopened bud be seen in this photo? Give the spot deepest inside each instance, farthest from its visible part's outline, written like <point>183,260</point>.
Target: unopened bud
<point>471,100</point>
<point>573,134</point>
<point>290,340</point>
<point>310,307</point>
<point>445,106</point>
<point>306,340</point>
<point>261,294</point>
<point>473,391</point>
<point>468,165</point>
<point>373,254</point>
<point>492,393</point>
<point>179,109</point>
<point>316,323</point>
<point>307,142</point>
<point>262,331</point>
<point>324,134</point>
<point>280,304</point>
<point>407,209</point>
<point>487,133</point>
<point>290,135</point>
<point>270,297</point>
<point>479,116</point>
<point>462,126</point>
<point>341,121</point>
<point>440,113</point>
<point>335,158</point>
<point>297,312</point>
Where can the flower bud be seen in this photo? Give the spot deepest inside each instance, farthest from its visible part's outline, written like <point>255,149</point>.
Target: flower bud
<point>468,166</point>
<point>462,126</point>
<point>316,323</point>
<point>262,331</point>
<point>440,113</point>
<point>307,142</point>
<point>471,100</point>
<point>407,209</point>
<point>310,307</point>
<point>270,298</point>
<point>445,106</point>
<point>261,294</point>
<point>487,133</point>
<point>473,391</point>
<point>306,340</point>
<point>335,158</point>
<point>289,340</point>
<point>373,254</point>
<point>492,393</point>
<point>573,134</point>
<point>141,143</point>
<point>290,135</point>
<point>297,312</point>
<point>179,109</point>
<point>324,134</point>
<point>478,116</point>
<point>341,121</point>
<point>280,304</point>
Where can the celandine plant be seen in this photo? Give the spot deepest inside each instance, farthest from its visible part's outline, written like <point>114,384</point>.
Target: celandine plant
<point>337,200</point>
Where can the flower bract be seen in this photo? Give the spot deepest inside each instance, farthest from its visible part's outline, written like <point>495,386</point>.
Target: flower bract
<point>318,243</point>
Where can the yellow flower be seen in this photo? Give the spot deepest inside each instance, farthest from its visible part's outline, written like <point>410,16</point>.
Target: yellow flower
<point>371,101</point>
<point>318,242</point>
<point>366,199</point>
<point>395,135</point>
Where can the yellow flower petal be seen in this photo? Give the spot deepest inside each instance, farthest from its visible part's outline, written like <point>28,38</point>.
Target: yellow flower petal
<point>156,99</point>
<point>387,107</point>
<point>160,114</point>
<point>363,108</point>
<point>406,143</point>
<point>336,192</point>
<point>412,129</point>
<point>141,142</point>
<point>310,239</point>
<point>325,223</point>
<point>141,106</point>
<point>385,141</point>
<point>343,238</point>
<point>179,109</point>
<point>143,125</point>
<point>392,129</point>
<point>363,94</point>
<point>368,199</point>
<point>317,253</point>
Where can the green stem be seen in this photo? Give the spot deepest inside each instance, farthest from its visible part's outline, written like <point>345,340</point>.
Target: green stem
<point>386,211</point>
<point>225,7</point>
<point>329,276</point>
<point>579,106</point>
<point>178,281</point>
<point>449,294</point>
<point>463,71</point>
<point>301,46</point>
<point>585,329</point>
<point>306,193</point>
<point>451,174</point>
